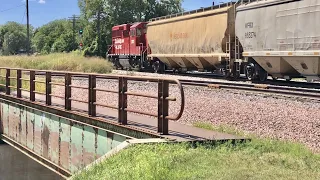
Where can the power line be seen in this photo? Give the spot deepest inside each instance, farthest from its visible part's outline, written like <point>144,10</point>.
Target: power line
<point>24,14</point>
<point>74,19</point>
<point>11,8</point>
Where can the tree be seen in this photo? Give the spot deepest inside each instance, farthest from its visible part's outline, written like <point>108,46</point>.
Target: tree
<point>13,38</point>
<point>57,35</point>
<point>59,45</point>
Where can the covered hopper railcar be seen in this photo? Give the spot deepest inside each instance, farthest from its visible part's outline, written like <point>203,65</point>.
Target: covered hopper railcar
<point>198,40</point>
<point>282,36</point>
<point>249,37</point>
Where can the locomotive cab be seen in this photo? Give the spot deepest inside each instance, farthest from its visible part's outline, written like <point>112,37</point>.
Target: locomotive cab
<point>138,38</point>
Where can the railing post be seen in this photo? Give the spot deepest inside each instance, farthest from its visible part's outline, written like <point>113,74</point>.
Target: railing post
<point>122,102</point>
<point>19,84</point>
<point>7,81</point>
<point>163,107</point>
<point>92,96</point>
<point>67,97</point>
<point>32,86</point>
<point>48,89</point>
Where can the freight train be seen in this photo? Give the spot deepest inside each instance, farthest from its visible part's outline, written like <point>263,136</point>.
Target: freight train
<point>251,38</point>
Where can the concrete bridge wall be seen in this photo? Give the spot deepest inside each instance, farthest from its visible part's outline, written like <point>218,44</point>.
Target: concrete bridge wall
<point>66,145</point>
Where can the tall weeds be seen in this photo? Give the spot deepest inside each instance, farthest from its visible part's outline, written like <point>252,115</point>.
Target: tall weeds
<point>58,62</point>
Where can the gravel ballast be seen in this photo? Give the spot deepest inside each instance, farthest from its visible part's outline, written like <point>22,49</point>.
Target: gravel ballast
<point>265,117</point>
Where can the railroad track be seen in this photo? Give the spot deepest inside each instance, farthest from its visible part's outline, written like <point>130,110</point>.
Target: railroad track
<point>210,76</point>
<point>310,90</point>
<point>218,77</point>
<point>289,91</point>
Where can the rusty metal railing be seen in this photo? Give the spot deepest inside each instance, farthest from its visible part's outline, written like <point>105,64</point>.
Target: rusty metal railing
<point>123,93</point>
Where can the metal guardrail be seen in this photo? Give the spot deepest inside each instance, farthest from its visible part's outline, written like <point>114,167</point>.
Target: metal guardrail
<point>123,93</point>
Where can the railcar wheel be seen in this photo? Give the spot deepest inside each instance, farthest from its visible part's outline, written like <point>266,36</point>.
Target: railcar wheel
<point>117,64</point>
<point>176,71</point>
<point>227,74</point>
<point>249,72</point>
<point>236,74</point>
<point>157,67</point>
<point>263,75</point>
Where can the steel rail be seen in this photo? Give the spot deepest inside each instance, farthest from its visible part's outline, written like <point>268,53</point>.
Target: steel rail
<point>302,92</point>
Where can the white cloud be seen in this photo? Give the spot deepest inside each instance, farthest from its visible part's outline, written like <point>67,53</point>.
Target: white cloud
<point>40,1</point>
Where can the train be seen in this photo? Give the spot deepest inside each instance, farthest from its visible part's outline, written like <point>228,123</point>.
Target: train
<point>254,39</point>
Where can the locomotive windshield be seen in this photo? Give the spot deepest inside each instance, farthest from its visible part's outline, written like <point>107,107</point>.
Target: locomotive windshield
<point>138,32</point>
<point>135,32</point>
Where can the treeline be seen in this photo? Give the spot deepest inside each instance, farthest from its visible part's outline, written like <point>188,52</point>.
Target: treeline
<point>96,20</point>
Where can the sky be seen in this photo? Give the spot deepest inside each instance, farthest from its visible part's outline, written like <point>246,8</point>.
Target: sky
<point>44,11</point>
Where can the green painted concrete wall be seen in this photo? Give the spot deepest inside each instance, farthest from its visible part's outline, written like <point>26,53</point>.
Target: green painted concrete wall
<point>68,144</point>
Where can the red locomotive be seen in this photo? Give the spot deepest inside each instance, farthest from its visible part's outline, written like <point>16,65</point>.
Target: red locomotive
<point>129,45</point>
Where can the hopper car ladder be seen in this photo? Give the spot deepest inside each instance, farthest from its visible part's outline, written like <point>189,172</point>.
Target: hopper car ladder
<point>237,57</point>
<point>233,49</point>
<point>228,50</point>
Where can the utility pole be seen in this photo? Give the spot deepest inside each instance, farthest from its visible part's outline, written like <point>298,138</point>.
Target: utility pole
<point>28,30</point>
<point>99,30</point>
<point>74,19</point>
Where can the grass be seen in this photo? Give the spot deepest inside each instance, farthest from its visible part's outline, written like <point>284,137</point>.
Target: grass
<point>40,87</point>
<point>255,159</point>
<point>58,62</point>
<point>220,128</point>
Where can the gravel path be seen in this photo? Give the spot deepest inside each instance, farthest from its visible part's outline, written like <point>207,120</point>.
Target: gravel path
<point>265,117</point>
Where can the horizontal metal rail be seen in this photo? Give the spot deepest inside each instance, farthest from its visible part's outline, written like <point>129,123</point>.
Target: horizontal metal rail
<point>162,95</point>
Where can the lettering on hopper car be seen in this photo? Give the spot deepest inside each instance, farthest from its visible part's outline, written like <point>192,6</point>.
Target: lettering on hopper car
<point>178,35</point>
<point>249,35</point>
<point>249,25</point>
